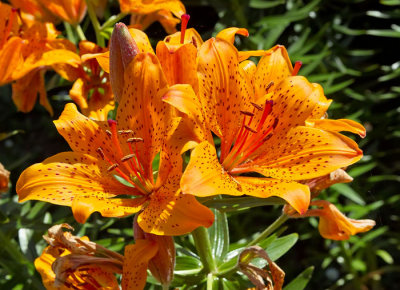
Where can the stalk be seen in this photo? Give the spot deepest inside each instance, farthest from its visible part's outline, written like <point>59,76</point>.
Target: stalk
<point>203,246</point>
<point>95,23</point>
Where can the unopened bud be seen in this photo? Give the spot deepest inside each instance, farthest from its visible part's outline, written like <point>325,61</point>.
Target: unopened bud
<point>123,50</point>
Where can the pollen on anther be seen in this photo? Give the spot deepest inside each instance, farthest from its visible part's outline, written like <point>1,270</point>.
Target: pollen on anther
<point>112,167</point>
<point>101,153</point>
<point>247,113</point>
<point>258,107</point>
<point>134,139</point>
<point>250,129</point>
<point>127,157</point>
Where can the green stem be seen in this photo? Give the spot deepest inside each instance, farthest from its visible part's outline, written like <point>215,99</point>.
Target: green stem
<point>203,246</point>
<point>95,23</point>
<point>70,33</point>
<point>268,231</point>
<point>112,20</point>
<point>80,33</point>
<point>347,258</point>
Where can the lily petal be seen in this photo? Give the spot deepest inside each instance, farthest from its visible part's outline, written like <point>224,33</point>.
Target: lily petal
<point>228,34</point>
<point>322,105</point>
<point>204,176</point>
<point>336,226</point>
<point>172,213</point>
<point>85,135</point>
<point>305,153</point>
<point>141,108</point>
<point>10,59</point>
<point>179,65</point>
<point>77,180</point>
<point>193,127</point>
<point>338,126</point>
<point>136,260</point>
<point>191,36</point>
<point>223,91</point>
<point>274,66</point>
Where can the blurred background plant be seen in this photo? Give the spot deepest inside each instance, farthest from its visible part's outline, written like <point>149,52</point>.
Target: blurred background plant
<point>351,48</point>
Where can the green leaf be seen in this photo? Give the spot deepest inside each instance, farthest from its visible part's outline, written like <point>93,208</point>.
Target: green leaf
<point>9,134</point>
<point>219,236</point>
<point>229,285</point>
<point>281,245</point>
<point>361,169</point>
<point>385,256</point>
<point>301,281</point>
<point>262,4</point>
<point>186,265</point>
<point>348,192</point>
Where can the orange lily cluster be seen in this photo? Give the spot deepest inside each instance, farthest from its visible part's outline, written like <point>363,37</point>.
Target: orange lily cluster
<point>275,139</point>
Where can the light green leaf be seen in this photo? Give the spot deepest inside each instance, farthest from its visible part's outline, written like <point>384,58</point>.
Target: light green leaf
<point>301,281</point>
<point>348,192</point>
<point>219,236</point>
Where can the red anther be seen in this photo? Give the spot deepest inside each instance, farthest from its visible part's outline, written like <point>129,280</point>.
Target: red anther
<point>296,68</point>
<point>185,19</point>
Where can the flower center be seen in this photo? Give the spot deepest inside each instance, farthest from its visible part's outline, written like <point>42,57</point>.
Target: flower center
<point>128,162</point>
<point>184,21</point>
<point>250,137</point>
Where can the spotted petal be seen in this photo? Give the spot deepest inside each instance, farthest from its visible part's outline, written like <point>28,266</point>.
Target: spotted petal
<point>338,125</point>
<point>274,66</point>
<point>141,108</point>
<point>172,213</point>
<point>79,181</point>
<point>204,176</point>
<point>136,260</point>
<point>304,153</point>
<point>223,90</point>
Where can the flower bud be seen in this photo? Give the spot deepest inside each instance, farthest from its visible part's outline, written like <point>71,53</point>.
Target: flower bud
<point>123,49</point>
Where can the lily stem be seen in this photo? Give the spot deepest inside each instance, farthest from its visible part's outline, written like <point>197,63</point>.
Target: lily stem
<point>112,20</point>
<point>203,246</point>
<point>268,231</point>
<point>80,33</point>
<point>95,23</point>
<point>70,33</point>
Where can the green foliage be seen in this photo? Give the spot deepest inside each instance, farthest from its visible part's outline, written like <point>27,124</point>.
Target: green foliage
<point>350,48</point>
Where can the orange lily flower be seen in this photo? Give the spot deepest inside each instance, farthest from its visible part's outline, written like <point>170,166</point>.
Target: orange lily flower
<point>110,168</point>
<point>41,50</point>
<point>44,10</point>
<point>25,53</point>
<point>259,113</point>
<point>92,89</point>
<point>32,11</point>
<point>144,13</point>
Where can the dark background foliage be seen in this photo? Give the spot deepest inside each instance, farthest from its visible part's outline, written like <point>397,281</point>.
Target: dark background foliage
<point>350,47</point>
